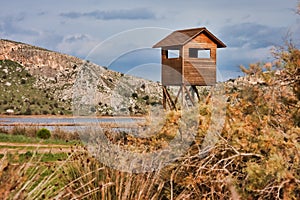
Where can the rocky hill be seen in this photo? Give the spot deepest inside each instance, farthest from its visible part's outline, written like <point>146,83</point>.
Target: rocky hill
<point>34,80</point>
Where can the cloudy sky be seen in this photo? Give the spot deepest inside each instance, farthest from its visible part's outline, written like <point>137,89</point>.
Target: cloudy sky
<point>120,34</point>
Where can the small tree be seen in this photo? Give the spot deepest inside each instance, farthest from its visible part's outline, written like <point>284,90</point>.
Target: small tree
<point>43,133</point>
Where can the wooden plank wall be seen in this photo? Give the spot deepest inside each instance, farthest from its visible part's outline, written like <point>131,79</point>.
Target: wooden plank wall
<point>201,41</point>
<point>172,71</point>
<point>200,71</point>
<point>197,71</point>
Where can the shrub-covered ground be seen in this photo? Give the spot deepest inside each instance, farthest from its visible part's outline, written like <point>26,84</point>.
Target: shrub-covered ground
<point>20,96</point>
<point>256,156</point>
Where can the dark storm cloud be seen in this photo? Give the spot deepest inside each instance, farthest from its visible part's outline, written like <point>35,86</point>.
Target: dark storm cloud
<point>130,14</point>
<point>75,38</point>
<point>252,35</point>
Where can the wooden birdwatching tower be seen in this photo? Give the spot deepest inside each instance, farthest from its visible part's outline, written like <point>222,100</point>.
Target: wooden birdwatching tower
<point>188,58</point>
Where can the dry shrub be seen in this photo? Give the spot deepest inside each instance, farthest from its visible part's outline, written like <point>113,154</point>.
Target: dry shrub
<point>89,179</point>
<point>29,131</point>
<point>60,134</point>
<point>22,180</point>
<point>3,130</point>
<point>257,155</point>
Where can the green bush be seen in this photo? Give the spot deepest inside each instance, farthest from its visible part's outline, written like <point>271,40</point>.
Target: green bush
<point>28,111</point>
<point>43,133</point>
<point>134,95</point>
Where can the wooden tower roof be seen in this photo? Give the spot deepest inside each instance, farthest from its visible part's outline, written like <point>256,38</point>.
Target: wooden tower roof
<point>181,37</point>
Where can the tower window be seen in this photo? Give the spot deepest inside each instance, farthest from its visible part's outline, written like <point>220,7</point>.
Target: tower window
<point>199,53</point>
<point>173,53</point>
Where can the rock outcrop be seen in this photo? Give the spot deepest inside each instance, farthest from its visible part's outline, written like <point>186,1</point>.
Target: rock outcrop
<point>60,76</point>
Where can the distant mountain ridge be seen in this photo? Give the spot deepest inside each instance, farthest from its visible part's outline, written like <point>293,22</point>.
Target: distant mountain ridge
<point>54,75</point>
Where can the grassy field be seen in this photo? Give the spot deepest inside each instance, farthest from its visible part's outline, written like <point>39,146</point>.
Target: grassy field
<point>20,148</point>
<point>30,161</point>
<point>34,140</point>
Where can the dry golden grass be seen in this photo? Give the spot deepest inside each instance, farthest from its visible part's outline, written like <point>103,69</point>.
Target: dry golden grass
<point>256,154</point>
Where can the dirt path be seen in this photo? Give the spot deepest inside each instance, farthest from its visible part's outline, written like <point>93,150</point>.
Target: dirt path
<point>9,147</point>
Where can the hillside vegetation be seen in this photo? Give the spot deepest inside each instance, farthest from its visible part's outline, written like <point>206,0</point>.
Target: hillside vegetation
<point>38,81</point>
<point>20,96</point>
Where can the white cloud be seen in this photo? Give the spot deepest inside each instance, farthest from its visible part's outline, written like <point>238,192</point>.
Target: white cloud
<point>77,44</point>
<point>122,14</point>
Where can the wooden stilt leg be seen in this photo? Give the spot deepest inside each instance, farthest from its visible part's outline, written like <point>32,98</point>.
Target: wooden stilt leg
<point>165,92</point>
<point>183,97</point>
<point>183,92</point>
<point>189,95</point>
<point>164,98</point>
<point>178,95</point>
<point>193,92</point>
<point>196,91</point>
<point>170,101</point>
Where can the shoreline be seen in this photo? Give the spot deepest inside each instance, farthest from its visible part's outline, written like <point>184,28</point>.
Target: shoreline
<point>71,116</point>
